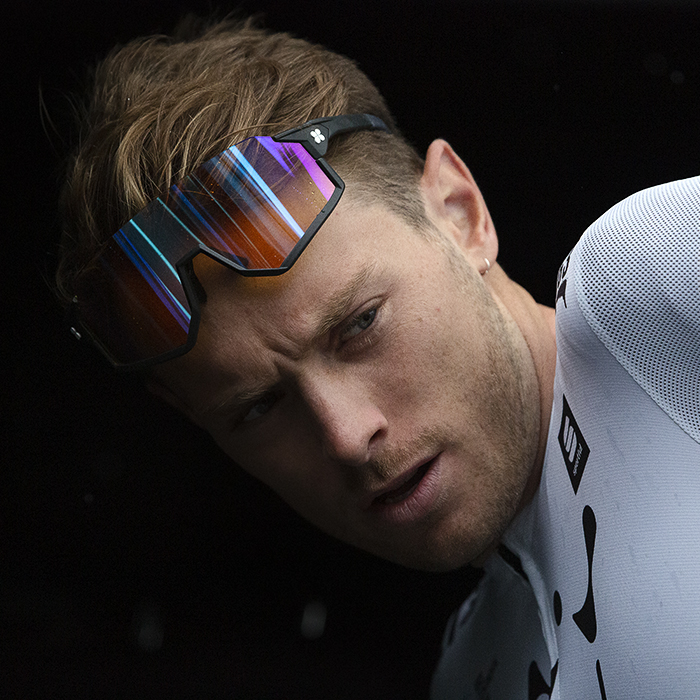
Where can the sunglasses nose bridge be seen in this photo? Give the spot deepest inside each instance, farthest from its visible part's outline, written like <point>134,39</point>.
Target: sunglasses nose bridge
<point>238,263</point>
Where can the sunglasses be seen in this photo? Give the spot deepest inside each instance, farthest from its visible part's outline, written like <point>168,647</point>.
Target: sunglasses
<point>253,208</point>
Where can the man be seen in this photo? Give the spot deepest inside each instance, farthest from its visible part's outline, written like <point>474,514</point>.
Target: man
<point>290,274</point>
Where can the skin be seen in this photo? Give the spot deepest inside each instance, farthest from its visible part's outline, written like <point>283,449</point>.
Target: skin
<point>383,354</point>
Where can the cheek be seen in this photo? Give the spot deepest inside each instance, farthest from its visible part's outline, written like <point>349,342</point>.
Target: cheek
<point>437,351</point>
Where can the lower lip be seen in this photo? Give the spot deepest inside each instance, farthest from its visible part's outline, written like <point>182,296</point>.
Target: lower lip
<point>416,504</point>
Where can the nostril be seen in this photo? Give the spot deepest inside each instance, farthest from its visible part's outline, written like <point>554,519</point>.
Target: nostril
<point>348,420</point>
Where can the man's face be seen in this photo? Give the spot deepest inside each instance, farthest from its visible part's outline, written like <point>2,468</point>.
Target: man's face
<point>379,387</point>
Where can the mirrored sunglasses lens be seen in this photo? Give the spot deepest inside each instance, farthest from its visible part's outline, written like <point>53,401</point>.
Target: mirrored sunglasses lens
<point>252,205</point>
<point>132,313</point>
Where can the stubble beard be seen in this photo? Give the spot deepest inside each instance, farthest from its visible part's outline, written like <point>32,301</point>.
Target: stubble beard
<point>508,418</point>
<point>496,470</point>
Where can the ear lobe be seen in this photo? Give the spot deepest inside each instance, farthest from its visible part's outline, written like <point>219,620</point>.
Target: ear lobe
<point>171,398</point>
<point>455,204</point>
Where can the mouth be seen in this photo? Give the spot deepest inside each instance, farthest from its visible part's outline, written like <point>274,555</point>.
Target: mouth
<point>411,496</point>
<point>404,489</point>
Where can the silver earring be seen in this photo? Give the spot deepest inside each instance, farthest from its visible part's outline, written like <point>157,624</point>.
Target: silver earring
<point>488,267</point>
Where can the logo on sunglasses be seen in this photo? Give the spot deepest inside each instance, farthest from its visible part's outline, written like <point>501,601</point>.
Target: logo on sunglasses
<point>317,136</point>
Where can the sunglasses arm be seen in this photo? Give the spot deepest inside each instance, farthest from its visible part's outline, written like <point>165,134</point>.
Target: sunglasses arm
<point>314,135</point>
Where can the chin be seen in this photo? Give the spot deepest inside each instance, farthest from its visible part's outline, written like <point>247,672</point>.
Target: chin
<point>438,557</point>
<point>456,544</point>
<point>431,563</point>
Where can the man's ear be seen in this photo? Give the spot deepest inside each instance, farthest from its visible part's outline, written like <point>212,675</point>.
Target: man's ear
<point>170,397</point>
<point>455,204</point>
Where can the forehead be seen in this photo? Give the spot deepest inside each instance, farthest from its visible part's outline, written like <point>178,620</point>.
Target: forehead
<point>245,317</point>
<point>351,242</point>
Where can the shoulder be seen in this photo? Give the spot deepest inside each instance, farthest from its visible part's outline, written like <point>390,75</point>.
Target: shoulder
<point>636,274</point>
<point>647,240</point>
<point>493,644</point>
<point>641,244</point>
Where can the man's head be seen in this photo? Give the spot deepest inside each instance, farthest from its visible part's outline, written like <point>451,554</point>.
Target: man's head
<point>160,106</point>
<point>384,386</point>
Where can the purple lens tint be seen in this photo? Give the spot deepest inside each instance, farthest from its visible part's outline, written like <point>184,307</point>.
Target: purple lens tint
<point>251,204</point>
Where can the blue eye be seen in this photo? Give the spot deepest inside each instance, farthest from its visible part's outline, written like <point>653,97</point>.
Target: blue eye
<point>365,319</point>
<point>260,408</point>
<point>359,323</point>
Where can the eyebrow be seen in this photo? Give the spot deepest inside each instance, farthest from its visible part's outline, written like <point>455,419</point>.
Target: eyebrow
<point>334,310</point>
<point>337,305</point>
<point>237,401</point>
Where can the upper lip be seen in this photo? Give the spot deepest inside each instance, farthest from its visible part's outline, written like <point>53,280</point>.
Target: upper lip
<point>396,482</point>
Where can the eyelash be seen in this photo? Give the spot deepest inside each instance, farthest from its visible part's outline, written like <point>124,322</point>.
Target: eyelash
<point>355,324</point>
<point>267,401</point>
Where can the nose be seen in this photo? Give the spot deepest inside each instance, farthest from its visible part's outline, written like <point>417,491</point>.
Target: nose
<point>349,421</point>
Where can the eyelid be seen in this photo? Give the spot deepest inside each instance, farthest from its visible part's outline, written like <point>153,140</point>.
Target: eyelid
<point>272,398</point>
<point>244,404</point>
<point>353,319</point>
<point>356,319</point>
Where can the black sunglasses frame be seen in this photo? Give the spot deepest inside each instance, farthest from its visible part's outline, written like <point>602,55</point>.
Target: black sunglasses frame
<point>314,136</point>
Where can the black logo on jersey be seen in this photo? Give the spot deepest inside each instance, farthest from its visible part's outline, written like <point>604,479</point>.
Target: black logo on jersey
<point>561,280</point>
<point>573,446</point>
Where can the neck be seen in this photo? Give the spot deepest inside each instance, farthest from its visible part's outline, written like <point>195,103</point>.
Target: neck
<point>536,323</point>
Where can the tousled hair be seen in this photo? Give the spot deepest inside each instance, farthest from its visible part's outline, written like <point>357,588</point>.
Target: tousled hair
<point>160,106</point>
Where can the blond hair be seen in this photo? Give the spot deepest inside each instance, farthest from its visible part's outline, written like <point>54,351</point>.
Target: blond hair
<point>160,106</point>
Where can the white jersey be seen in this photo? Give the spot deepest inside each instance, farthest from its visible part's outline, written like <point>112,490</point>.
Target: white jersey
<point>597,592</point>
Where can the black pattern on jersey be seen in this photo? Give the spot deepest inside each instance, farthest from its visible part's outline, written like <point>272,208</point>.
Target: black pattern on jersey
<point>601,686</point>
<point>585,618</point>
<point>536,684</point>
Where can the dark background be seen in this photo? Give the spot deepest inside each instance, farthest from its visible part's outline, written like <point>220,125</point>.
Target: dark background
<point>135,561</point>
